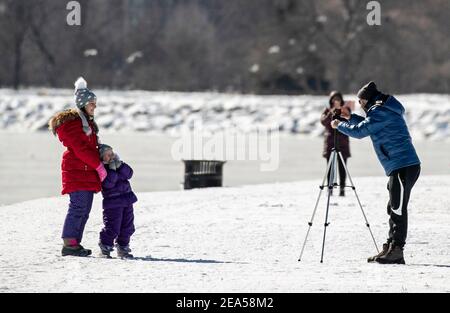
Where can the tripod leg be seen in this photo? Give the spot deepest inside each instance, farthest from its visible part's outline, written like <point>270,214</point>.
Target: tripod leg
<point>359,202</point>
<point>335,169</point>
<point>330,187</point>
<point>310,223</point>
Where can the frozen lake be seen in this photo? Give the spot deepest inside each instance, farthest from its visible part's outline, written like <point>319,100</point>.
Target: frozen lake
<point>30,163</point>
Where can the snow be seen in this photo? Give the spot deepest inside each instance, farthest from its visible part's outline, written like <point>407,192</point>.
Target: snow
<point>132,57</point>
<point>254,68</point>
<point>274,50</point>
<point>300,70</point>
<point>312,47</point>
<point>90,52</point>
<point>239,239</point>
<point>322,19</point>
<point>428,115</point>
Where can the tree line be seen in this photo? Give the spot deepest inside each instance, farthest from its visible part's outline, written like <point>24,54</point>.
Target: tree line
<point>249,46</point>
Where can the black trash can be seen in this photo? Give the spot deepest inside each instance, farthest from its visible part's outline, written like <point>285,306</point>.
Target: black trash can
<point>202,173</point>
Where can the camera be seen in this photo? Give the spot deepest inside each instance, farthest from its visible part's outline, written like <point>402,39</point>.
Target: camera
<point>337,115</point>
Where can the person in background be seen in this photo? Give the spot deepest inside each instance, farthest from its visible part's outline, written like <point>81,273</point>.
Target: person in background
<point>336,102</point>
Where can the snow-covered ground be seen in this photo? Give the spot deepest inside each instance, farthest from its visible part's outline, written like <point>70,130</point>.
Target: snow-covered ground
<point>173,112</point>
<point>239,239</point>
<point>233,239</point>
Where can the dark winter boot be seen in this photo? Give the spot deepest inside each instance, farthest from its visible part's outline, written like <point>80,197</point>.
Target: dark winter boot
<point>342,192</point>
<point>382,252</point>
<point>123,252</point>
<point>393,256</point>
<point>71,247</point>
<point>105,251</point>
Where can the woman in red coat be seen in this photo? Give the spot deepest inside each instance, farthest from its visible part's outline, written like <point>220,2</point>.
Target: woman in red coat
<point>82,171</point>
<point>336,101</point>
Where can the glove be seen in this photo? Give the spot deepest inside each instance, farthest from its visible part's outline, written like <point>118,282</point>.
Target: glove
<point>101,172</point>
<point>335,123</point>
<point>115,163</point>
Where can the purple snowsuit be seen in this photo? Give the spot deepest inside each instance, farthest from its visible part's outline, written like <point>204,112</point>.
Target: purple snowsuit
<point>118,199</point>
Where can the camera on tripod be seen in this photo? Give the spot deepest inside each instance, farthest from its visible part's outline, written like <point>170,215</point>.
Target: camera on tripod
<point>331,171</point>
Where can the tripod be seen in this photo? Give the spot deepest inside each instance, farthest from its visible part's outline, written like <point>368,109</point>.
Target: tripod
<point>332,168</point>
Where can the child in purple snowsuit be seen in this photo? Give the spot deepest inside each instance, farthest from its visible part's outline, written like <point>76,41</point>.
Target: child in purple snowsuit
<point>118,199</point>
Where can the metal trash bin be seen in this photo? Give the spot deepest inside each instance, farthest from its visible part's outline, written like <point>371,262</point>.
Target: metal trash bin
<point>202,173</point>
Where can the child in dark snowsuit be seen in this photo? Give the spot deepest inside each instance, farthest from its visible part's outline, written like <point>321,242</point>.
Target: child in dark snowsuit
<point>118,199</point>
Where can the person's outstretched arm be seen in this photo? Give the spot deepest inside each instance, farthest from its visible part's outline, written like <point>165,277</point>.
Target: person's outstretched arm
<point>369,125</point>
<point>355,118</point>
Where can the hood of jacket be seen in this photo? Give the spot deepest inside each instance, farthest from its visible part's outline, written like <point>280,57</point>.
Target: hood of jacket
<point>65,116</point>
<point>390,104</point>
<point>393,105</point>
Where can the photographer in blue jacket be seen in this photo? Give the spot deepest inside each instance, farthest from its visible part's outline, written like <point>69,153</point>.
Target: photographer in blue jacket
<point>386,126</point>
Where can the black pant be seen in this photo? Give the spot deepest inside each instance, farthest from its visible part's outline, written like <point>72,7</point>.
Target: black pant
<point>400,184</point>
<point>342,172</point>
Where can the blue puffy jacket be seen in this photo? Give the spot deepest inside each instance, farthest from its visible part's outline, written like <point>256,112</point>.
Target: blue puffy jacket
<point>386,126</point>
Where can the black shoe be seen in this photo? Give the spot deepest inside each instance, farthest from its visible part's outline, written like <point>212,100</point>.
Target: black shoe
<point>393,256</point>
<point>342,193</point>
<point>382,252</point>
<point>77,250</point>
<point>105,251</point>
<point>123,252</point>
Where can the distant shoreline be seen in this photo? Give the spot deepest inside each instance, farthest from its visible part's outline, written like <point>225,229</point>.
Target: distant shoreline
<point>30,163</point>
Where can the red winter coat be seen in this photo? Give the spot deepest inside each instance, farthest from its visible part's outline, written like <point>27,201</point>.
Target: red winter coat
<point>81,158</point>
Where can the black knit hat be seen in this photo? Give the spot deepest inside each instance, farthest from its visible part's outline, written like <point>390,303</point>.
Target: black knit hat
<point>333,94</point>
<point>368,91</point>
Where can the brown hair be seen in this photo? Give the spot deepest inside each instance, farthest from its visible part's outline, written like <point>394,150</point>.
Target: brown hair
<point>334,94</point>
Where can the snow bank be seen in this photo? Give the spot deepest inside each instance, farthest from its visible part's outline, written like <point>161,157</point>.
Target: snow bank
<point>243,239</point>
<point>172,112</point>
